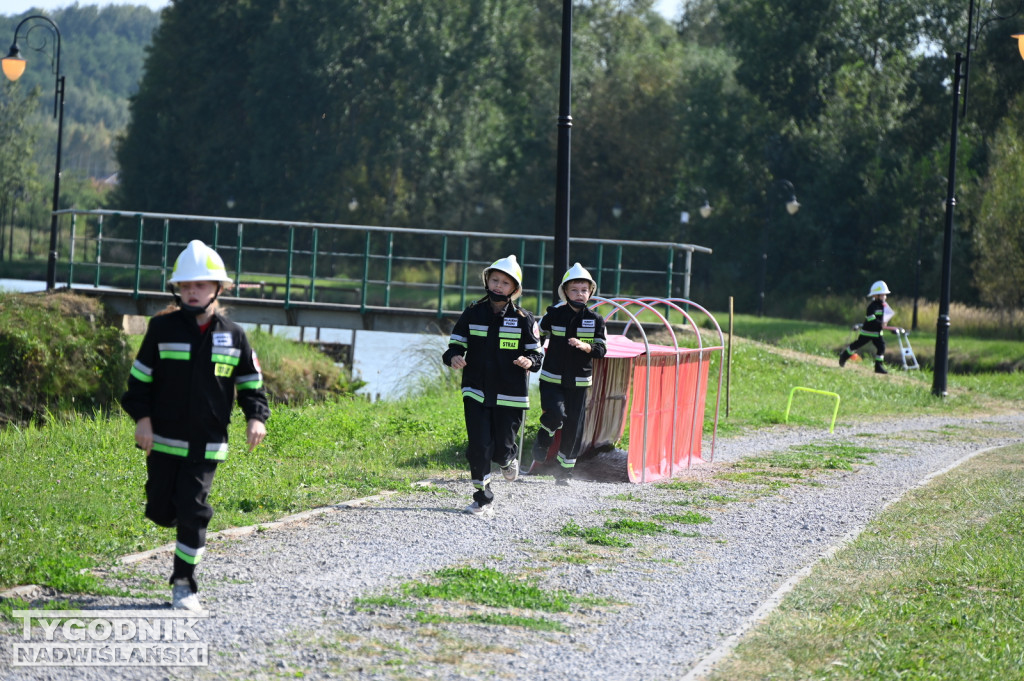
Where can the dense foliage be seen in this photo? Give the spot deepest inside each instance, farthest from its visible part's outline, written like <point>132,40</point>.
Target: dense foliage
<point>57,353</point>
<point>102,51</point>
<point>442,114</point>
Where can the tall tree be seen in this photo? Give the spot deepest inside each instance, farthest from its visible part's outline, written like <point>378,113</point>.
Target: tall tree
<point>999,234</point>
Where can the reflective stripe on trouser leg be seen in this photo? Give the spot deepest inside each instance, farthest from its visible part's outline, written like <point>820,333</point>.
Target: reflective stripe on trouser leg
<point>491,436</point>
<point>543,442</point>
<point>189,491</point>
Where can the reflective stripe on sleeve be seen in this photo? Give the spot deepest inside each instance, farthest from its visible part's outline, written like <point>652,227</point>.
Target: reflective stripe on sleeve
<point>249,382</point>
<point>217,451</point>
<point>141,372</point>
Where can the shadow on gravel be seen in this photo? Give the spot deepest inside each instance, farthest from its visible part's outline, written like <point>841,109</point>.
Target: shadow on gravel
<point>602,467</point>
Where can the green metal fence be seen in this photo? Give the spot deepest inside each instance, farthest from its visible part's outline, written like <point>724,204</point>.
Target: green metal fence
<point>357,265</point>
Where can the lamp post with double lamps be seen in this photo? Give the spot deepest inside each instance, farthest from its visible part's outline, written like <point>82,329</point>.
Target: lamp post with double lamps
<point>561,261</point>
<point>792,206</point>
<point>13,67</point>
<point>961,73</point>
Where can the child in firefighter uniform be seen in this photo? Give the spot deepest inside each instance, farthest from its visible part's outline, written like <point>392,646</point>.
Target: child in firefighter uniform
<point>871,330</point>
<point>182,387</point>
<point>576,335</point>
<point>495,345</point>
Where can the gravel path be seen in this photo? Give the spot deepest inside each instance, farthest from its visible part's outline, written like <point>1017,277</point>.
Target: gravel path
<point>282,599</point>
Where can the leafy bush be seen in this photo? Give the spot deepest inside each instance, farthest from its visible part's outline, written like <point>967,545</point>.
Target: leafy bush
<point>297,373</point>
<point>56,354</point>
<point>59,353</point>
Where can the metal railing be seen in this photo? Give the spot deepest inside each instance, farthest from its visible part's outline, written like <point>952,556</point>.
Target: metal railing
<point>355,265</point>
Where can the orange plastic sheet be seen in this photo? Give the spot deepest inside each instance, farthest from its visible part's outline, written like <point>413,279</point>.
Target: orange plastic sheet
<point>670,436</point>
<point>674,407</point>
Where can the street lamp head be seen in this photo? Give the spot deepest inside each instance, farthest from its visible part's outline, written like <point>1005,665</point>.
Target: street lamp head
<point>617,210</point>
<point>792,206</point>
<point>1020,43</point>
<point>13,64</point>
<point>705,210</point>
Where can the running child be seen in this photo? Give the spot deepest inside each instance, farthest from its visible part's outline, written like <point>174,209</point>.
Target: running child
<point>183,384</point>
<point>495,345</point>
<point>576,336</point>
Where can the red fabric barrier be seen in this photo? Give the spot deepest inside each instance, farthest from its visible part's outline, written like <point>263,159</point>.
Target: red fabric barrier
<point>674,414</point>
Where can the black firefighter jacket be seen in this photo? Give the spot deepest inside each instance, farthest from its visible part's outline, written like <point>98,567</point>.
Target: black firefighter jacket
<point>186,382</point>
<point>564,364</point>
<point>491,343</point>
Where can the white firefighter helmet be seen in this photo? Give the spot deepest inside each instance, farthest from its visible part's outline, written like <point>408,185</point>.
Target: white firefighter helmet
<point>878,289</point>
<point>198,262</point>
<point>577,271</point>
<point>509,266</point>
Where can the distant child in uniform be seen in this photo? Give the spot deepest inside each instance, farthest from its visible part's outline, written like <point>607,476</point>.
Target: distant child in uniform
<point>495,344</point>
<point>181,390</point>
<point>576,337</point>
<point>871,330</point>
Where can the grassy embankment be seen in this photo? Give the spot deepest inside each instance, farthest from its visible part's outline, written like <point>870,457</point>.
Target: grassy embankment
<point>933,589</point>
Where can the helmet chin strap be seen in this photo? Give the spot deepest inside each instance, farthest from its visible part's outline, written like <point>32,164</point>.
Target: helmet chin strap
<point>497,297</point>
<point>194,310</point>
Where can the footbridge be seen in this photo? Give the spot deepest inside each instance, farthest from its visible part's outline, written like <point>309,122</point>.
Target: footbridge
<point>341,276</point>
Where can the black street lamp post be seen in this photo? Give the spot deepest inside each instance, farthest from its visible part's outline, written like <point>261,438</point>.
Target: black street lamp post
<point>792,206</point>
<point>561,261</point>
<point>13,67</point>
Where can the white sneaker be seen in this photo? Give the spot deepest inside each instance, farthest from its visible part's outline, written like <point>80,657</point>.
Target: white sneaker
<point>476,509</point>
<point>511,471</point>
<point>183,598</point>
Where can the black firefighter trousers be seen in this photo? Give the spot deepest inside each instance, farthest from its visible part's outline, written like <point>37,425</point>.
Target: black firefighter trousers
<point>176,496</point>
<point>491,432</point>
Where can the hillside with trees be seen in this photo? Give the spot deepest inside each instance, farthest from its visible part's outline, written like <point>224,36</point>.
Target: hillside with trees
<point>102,57</point>
<point>443,114</point>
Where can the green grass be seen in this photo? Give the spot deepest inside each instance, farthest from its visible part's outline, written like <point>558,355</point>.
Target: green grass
<point>71,493</point>
<point>966,354</point>
<point>762,379</point>
<point>933,589</point>
<point>490,587</point>
<point>492,619</point>
<point>510,599</point>
<point>688,518</point>
<point>612,533</point>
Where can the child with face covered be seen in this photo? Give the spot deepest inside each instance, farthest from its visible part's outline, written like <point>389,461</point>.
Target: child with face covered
<point>576,335</point>
<point>495,344</point>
